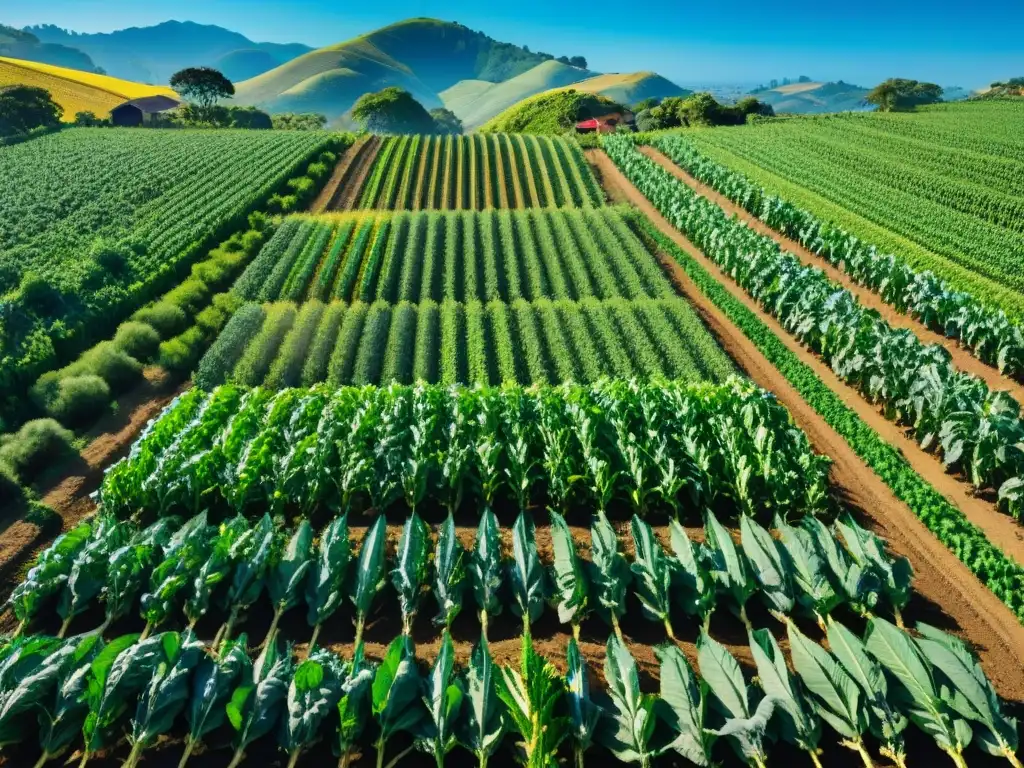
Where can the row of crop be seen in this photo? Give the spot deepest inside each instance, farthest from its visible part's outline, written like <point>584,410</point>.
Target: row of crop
<point>973,430</point>
<point>478,172</point>
<point>485,256</point>
<point>857,687</point>
<point>284,344</point>
<point>984,329</point>
<point>809,571</point>
<point>113,224</point>
<point>664,445</point>
<point>1003,575</point>
<point>940,213</point>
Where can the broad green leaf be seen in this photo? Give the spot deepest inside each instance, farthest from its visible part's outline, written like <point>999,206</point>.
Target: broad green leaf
<point>450,574</point>
<point>652,574</point>
<point>484,723</point>
<point>443,696</point>
<point>584,714</point>
<point>729,568</point>
<point>326,576</point>
<point>799,724</point>
<point>526,574</point>
<point>396,699</point>
<point>167,692</point>
<point>693,588</point>
<point>685,706</point>
<point>313,696</point>
<point>212,686</point>
<point>571,588</point>
<point>609,573</point>
<point>409,576</point>
<point>485,567</point>
<point>287,575</point>
<point>370,576</point>
<point>767,565</point>
<point>631,720</point>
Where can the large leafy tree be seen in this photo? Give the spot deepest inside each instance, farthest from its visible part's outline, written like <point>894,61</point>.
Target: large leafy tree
<point>392,110</point>
<point>24,108</point>
<point>898,94</point>
<point>203,86</point>
<point>446,121</point>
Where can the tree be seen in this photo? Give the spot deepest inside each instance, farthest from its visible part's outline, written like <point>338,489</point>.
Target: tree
<point>301,121</point>
<point>648,103</point>
<point>446,121</point>
<point>578,61</point>
<point>88,119</point>
<point>203,86</point>
<point>250,117</point>
<point>392,110</point>
<point>898,94</point>
<point>24,108</point>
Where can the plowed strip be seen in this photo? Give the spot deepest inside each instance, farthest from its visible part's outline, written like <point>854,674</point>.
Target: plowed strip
<point>350,183</point>
<point>939,576</point>
<point>962,358</point>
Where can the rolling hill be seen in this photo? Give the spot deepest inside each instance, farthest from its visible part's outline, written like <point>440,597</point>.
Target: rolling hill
<point>17,44</point>
<point>477,101</point>
<point>815,97</point>
<point>423,56</point>
<point>153,54</point>
<point>74,90</point>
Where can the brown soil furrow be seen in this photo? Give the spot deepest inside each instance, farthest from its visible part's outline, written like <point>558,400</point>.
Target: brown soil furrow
<point>962,357</point>
<point>940,577</point>
<point>341,168</point>
<point>346,194</point>
<point>69,495</point>
<point>421,173</point>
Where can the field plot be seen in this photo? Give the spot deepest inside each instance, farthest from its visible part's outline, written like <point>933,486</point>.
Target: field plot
<point>94,220</point>
<point>477,172</point>
<point>467,256</point>
<point>701,604</point>
<point>459,297</point>
<point>943,189</point>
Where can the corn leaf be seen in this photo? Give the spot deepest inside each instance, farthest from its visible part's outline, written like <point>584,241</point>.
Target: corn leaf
<point>481,728</point>
<point>525,572</point>
<point>693,586</point>
<point>798,723</point>
<point>571,588</point>
<point>450,574</point>
<point>326,577</point>
<point>397,704</point>
<point>685,706</point>
<point>610,575</point>
<point>631,719</point>
<point>652,574</point>
<point>584,713</point>
<point>370,576</point>
<point>409,576</point>
<point>443,696</point>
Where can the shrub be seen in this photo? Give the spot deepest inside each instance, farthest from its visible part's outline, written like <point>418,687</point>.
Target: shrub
<point>138,340</point>
<point>252,241</point>
<point>258,221</point>
<point>35,446</point>
<point>182,352</point>
<point>190,295</point>
<point>111,363</point>
<point>78,399</point>
<point>213,272</point>
<point>317,170</point>
<point>43,517</point>
<point>11,491</point>
<point>10,276</point>
<point>39,296</point>
<point>168,319</point>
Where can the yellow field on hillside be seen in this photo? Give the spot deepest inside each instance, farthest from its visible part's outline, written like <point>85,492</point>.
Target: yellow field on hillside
<point>74,90</point>
<point>797,88</point>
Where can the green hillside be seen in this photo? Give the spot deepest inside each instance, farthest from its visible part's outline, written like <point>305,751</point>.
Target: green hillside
<point>815,98</point>
<point>477,101</point>
<point>424,56</point>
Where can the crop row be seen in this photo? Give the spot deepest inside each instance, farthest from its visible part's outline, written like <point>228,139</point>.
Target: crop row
<point>970,220</point>
<point>285,345</point>
<point>975,431</point>
<point>478,172</point>
<point>984,329</point>
<point>667,445</point>
<point>871,686</point>
<point>467,256</point>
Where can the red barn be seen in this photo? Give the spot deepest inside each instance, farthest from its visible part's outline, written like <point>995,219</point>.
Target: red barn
<point>605,123</point>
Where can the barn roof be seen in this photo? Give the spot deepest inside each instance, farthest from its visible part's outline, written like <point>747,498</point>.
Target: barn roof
<point>587,125</point>
<point>150,104</point>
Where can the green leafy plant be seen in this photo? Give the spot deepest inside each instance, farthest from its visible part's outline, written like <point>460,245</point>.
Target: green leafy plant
<point>610,575</point>
<point>313,696</point>
<point>260,699</point>
<point>450,574</point>
<point>584,713</point>
<point>62,717</point>
<point>693,585</point>
<point>215,680</point>
<point>253,554</point>
<point>443,696</point>
<point>572,590</point>
<point>326,575</point>
<point>526,573</point>
<point>409,576</point>
<point>632,718</point>
<point>370,574</point>
<point>685,704</point>
<point>286,577</point>
<point>729,568</point>
<point>485,569</point>
<point>767,564</point>
<point>652,575</point>
<point>354,706</point>
<point>397,704</point>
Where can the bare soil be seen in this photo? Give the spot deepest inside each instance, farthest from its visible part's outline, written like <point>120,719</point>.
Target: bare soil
<point>962,357</point>
<point>940,578</point>
<point>342,191</point>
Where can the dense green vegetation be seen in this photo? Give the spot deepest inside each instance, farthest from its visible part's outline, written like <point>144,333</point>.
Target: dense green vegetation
<point>96,223</point>
<point>505,255</point>
<point>478,172</point>
<point>984,329</point>
<point>976,432</point>
<point>553,112</point>
<point>940,188</point>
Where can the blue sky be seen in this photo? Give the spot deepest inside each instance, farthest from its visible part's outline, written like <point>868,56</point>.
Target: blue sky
<point>705,42</point>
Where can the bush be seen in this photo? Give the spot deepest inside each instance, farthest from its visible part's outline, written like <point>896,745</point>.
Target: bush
<point>11,491</point>
<point>138,340</point>
<point>168,319</point>
<point>111,363</point>
<point>39,296</point>
<point>35,446</point>
<point>182,352</point>
<point>252,241</point>
<point>213,318</point>
<point>10,276</point>
<point>77,400</point>
<point>190,295</point>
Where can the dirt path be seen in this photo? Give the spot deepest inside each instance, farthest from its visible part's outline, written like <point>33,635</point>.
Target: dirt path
<point>939,576</point>
<point>962,358</point>
<point>69,494</point>
<point>350,179</point>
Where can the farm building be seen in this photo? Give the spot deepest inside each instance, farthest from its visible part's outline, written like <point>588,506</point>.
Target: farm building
<point>606,123</point>
<point>138,111</point>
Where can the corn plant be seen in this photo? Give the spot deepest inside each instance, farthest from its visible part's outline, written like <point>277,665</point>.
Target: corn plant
<point>449,574</point>
<point>370,575</point>
<point>409,576</point>
<point>214,682</point>
<point>525,572</point>
<point>685,706</point>
<point>571,586</point>
<point>326,575</point>
<point>397,705</point>
<point>485,721</point>
<point>745,723</point>
<point>259,700</point>
<point>610,574</point>
<point>533,695</point>
<point>485,569</point>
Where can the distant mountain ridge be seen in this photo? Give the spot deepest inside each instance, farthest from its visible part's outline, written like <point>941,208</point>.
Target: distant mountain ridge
<point>153,54</point>
<point>18,44</point>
